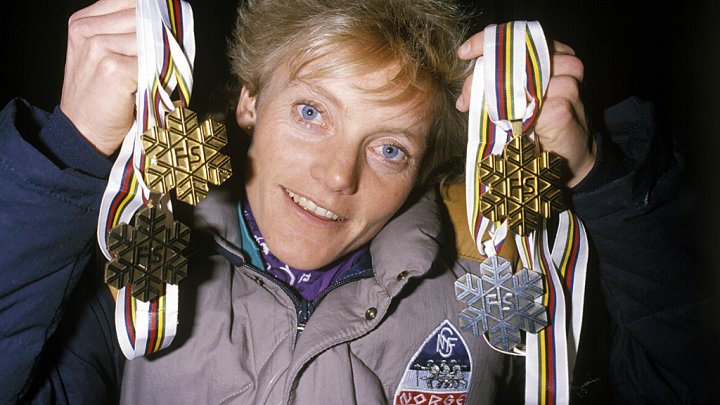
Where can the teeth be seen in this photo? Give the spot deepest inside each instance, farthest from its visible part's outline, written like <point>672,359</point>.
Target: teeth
<point>309,205</point>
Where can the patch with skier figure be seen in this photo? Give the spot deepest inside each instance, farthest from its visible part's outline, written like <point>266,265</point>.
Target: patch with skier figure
<point>439,372</point>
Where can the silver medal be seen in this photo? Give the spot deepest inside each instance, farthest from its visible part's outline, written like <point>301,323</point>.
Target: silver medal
<point>501,303</point>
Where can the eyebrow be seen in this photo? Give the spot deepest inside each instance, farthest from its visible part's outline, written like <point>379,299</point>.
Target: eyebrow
<point>322,91</point>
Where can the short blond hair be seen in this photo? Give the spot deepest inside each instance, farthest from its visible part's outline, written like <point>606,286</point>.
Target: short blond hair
<point>419,36</point>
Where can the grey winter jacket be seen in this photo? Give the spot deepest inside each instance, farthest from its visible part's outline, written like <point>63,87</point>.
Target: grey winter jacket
<point>368,341</point>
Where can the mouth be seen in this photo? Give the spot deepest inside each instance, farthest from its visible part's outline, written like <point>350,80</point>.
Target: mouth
<point>311,207</point>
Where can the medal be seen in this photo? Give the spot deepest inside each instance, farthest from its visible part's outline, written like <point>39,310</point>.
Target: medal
<point>521,186</point>
<point>185,155</point>
<point>148,254</point>
<point>501,303</point>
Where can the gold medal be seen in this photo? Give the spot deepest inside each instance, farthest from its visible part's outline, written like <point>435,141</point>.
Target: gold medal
<point>149,254</point>
<point>521,186</point>
<point>185,156</point>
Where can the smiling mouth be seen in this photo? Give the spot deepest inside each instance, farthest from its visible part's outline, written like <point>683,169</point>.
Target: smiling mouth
<point>313,208</point>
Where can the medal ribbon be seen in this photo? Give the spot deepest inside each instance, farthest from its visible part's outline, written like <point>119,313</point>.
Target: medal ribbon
<point>551,353</point>
<point>509,83</point>
<point>166,51</point>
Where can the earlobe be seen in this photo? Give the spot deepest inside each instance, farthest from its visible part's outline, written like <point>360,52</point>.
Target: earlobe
<point>245,112</point>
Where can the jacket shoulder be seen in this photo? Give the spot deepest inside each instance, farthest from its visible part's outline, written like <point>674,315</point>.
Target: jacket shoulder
<point>453,197</point>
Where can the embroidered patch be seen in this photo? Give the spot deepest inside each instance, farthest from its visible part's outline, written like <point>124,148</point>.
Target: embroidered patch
<point>439,372</point>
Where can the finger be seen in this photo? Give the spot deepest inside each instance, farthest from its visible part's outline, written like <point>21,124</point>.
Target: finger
<point>558,128</point>
<point>118,22</point>
<point>560,48</point>
<point>463,102</point>
<point>122,44</point>
<point>567,65</point>
<point>473,47</point>
<point>565,89</point>
<point>103,7</point>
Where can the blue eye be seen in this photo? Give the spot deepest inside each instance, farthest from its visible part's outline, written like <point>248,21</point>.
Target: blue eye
<point>309,112</point>
<point>392,152</point>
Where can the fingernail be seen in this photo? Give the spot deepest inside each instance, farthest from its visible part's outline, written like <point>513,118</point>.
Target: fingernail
<point>465,49</point>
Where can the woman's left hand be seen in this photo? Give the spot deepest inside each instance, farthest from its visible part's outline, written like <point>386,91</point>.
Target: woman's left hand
<point>561,126</point>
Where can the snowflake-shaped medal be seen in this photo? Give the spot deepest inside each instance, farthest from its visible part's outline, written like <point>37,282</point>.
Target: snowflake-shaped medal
<point>521,186</point>
<point>185,155</point>
<point>501,303</point>
<point>148,254</point>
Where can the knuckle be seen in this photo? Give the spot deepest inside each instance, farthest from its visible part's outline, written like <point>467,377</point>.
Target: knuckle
<point>559,110</point>
<point>110,65</point>
<point>79,28</point>
<point>74,17</point>
<point>120,69</point>
<point>95,46</point>
<point>574,66</point>
<point>568,65</point>
<point>578,67</point>
<point>567,86</point>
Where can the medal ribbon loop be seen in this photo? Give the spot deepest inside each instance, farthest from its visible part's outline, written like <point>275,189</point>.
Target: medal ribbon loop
<point>509,85</point>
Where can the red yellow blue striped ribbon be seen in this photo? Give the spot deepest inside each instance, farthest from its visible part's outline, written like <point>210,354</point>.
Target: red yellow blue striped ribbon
<point>555,347</point>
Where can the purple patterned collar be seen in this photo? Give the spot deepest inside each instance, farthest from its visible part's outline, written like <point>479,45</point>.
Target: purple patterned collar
<point>309,283</point>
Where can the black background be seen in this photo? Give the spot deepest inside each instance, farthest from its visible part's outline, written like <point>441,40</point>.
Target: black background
<point>664,52</point>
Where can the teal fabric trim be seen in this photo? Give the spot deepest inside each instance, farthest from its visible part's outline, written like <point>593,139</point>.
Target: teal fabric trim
<point>249,247</point>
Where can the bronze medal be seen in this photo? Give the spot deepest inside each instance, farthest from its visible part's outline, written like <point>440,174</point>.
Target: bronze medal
<point>521,186</point>
<point>149,254</point>
<point>186,156</point>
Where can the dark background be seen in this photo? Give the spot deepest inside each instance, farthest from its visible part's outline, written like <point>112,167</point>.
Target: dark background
<point>664,52</point>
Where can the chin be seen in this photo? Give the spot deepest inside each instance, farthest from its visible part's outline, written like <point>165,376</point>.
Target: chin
<point>305,261</point>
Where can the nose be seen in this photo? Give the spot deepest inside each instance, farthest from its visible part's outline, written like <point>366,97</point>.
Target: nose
<point>338,167</point>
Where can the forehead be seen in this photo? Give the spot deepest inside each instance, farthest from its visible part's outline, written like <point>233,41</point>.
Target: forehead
<point>383,105</point>
<point>374,72</point>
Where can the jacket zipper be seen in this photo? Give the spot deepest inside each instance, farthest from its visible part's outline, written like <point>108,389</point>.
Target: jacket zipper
<point>304,308</point>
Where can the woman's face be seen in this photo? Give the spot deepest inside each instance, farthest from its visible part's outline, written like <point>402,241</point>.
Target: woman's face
<point>329,162</point>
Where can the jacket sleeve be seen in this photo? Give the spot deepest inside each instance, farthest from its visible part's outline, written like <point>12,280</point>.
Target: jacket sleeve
<point>636,206</point>
<point>51,184</point>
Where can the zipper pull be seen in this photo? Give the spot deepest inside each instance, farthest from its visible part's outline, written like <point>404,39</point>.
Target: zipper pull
<point>303,314</point>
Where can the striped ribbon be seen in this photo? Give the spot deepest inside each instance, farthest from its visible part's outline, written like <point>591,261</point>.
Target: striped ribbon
<point>509,84</point>
<point>551,353</point>
<point>166,51</point>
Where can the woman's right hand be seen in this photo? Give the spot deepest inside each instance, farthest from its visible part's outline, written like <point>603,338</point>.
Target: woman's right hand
<point>98,93</point>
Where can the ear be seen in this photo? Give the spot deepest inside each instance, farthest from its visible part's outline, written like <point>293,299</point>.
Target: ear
<point>245,112</point>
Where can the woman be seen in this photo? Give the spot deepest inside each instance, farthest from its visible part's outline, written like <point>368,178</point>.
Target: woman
<point>328,277</point>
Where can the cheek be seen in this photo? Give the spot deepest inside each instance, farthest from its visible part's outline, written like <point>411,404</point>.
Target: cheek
<point>383,196</point>
<point>269,149</point>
